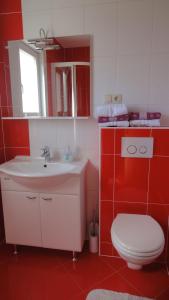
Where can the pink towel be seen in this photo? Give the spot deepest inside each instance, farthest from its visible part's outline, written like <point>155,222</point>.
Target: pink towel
<point>105,119</point>
<point>144,115</point>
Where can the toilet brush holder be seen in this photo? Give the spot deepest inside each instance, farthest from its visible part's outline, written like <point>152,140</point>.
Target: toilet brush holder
<point>93,237</point>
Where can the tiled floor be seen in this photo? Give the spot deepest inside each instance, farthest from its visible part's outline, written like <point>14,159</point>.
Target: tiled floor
<point>40,274</point>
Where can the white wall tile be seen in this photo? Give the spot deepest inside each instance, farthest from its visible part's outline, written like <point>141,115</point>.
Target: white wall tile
<point>133,79</point>
<point>104,78</point>
<point>38,20</point>
<point>66,3</point>
<point>68,21</point>
<point>159,81</point>
<point>135,27</point>
<point>125,34</point>
<point>161,26</point>
<point>101,21</point>
<point>38,5</point>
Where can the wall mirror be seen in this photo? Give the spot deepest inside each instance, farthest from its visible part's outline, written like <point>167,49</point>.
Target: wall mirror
<point>50,77</point>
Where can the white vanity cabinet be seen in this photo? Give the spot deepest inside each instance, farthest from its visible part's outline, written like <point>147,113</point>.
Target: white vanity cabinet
<point>60,220</point>
<point>46,215</point>
<point>22,218</point>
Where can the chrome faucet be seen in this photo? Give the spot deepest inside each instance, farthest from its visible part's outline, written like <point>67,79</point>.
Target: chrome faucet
<point>45,153</point>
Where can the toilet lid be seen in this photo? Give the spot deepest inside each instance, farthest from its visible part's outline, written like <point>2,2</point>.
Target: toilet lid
<point>140,233</point>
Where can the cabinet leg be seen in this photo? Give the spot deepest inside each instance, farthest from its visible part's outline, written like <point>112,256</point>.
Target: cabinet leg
<point>15,250</point>
<point>74,258</point>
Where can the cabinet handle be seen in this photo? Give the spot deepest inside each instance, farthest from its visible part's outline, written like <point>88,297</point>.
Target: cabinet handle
<point>47,199</point>
<point>31,198</point>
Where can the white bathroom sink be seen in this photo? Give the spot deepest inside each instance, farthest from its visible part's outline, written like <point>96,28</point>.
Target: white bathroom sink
<point>28,167</point>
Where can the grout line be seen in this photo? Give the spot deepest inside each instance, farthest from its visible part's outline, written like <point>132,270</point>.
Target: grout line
<point>167,244</point>
<point>119,154</point>
<point>148,179</point>
<point>3,139</point>
<point>99,206</point>
<point>6,89</point>
<point>10,13</point>
<point>16,147</point>
<point>114,171</point>
<point>136,202</point>
<point>129,282</point>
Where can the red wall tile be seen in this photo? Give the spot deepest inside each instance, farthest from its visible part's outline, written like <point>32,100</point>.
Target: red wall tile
<point>159,182</point>
<point>107,177</point>
<point>161,141</point>
<point>16,133</point>
<point>128,133</point>
<point>141,185</point>
<point>106,249</point>
<point>2,155</point>
<point>11,26</point>
<point>12,152</point>
<point>160,213</point>
<point>131,179</point>
<point>130,208</point>
<point>8,6</point>
<point>3,91</point>
<point>77,54</point>
<point>106,220</point>
<point>107,141</point>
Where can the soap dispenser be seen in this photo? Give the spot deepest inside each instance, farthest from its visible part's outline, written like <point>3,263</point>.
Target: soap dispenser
<point>68,155</point>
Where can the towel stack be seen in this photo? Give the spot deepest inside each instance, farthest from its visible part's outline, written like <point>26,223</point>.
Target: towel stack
<point>147,119</point>
<point>113,115</point>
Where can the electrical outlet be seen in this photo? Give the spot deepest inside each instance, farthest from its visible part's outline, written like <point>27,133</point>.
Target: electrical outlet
<point>107,99</point>
<point>117,99</point>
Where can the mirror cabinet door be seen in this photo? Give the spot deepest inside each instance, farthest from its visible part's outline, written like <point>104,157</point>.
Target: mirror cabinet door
<point>49,78</point>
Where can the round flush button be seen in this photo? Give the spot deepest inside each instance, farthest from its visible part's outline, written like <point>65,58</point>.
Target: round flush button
<point>143,149</point>
<point>131,149</point>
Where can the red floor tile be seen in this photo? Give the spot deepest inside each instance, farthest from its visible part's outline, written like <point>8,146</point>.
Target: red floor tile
<point>88,270</point>
<point>150,281</point>
<point>164,295</point>
<point>113,283</point>
<point>44,274</point>
<point>115,263</point>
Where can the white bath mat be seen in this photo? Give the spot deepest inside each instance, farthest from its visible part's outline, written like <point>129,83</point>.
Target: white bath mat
<point>109,295</point>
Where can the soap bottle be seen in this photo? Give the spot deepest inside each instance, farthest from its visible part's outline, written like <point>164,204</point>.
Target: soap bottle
<point>68,155</point>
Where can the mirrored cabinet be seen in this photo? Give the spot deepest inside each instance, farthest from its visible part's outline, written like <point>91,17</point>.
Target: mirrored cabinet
<point>50,77</point>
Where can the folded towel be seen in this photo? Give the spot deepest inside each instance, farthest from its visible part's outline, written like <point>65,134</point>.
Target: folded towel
<point>111,110</point>
<point>114,124</point>
<point>102,119</point>
<point>145,123</point>
<point>144,115</point>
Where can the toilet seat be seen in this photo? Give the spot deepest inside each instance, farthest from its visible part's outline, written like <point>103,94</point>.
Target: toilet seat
<point>127,234</point>
<point>137,254</point>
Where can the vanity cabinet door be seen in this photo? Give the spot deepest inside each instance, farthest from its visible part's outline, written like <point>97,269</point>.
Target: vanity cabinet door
<point>22,218</point>
<point>60,221</point>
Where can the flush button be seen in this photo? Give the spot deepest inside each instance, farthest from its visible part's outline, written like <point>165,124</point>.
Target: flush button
<point>131,149</point>
<point>143,149</point>
<point>140,147</point>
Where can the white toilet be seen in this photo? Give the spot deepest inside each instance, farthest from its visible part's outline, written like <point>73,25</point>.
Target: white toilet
<point>138,239</point>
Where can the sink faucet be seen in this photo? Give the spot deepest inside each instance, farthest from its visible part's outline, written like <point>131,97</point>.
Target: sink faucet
<point>45,153</point>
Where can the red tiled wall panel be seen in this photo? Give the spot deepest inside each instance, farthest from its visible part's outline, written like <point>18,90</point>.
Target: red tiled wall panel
<point>16,138</point>
<point>14,135</point>
<point>133,185</point>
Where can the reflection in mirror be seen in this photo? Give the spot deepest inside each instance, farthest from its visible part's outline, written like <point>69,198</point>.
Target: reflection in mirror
<point>50,78</point>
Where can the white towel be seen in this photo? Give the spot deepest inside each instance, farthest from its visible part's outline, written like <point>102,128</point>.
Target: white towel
<point>114,124</point>
<point>145,123</point>
<point>111,110</point>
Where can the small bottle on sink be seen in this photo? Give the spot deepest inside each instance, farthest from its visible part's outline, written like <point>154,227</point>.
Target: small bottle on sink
<point>68,155</point>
